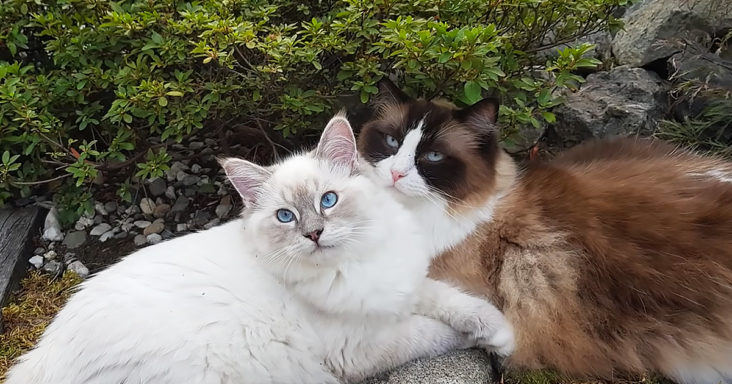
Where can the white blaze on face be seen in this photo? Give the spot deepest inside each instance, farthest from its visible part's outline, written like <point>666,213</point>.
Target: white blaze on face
<point>404,163</point>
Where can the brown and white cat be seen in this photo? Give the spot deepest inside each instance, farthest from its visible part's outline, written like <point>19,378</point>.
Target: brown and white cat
<point>614,258</point>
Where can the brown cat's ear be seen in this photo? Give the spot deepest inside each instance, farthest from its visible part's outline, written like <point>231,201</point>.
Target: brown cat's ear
<point>390,94</point>
<point>484,111</point>
<point>246,177</point>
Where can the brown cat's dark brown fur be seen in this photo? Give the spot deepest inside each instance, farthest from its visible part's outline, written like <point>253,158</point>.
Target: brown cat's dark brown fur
<point>614,258</point>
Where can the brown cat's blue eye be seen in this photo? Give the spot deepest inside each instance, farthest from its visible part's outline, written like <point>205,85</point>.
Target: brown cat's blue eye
<point>391,141</point>
<point>285,215</point>
<point>328,200</point>
<point>434,156</point>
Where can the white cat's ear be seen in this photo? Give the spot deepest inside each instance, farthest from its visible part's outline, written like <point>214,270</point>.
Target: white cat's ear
<point>245,176</point>
<point>337,143</point>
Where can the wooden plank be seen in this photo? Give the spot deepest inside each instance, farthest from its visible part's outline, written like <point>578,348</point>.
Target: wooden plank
<point>17,228</point>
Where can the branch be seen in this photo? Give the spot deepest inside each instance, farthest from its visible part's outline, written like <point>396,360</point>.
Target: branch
<point>40,181</point>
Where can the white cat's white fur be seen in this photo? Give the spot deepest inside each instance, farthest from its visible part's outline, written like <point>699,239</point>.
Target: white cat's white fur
<point>229,305</point>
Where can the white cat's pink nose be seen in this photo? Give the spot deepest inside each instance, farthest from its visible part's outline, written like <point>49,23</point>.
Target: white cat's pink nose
<point>395,176</point>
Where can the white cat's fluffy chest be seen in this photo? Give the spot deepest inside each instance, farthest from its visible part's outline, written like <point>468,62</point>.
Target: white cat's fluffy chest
<point>199,300</point>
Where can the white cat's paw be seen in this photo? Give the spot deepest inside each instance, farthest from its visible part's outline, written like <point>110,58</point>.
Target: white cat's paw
<point>491,331</point>
<point>502,342</point>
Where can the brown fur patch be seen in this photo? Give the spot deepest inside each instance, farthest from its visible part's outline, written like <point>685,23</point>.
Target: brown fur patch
<point>613,258</point>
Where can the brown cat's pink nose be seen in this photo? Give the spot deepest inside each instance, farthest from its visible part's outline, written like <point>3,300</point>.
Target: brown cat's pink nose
<point>395,176</point>
<point>314,235</point>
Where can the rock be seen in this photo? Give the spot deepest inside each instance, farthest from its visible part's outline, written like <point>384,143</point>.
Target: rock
<point>38,251</point>
<point>107,235</point>
<point>99,208</point>
<point>180,205</point>
<point>657,29</point>
<point>182,227</point>
<point>190,180</point>
<point>120,235</point>
<point>195,168</point>
<point>201,218</point>
<point>170,192</point>
<point>457,367</point>
<point>155,227</point>
<point>706,71</point>
<point>98,219</point>
<point>83,223</point>
<point>78,268</point>
<point>702,67</point>
<point>142,224</point>
<point>166,234</point>
<point>195,145</point>
<point>212,223</point>
<point>622,102</point>
<point>224,207</point>
<point>100,229</point>
<point>161,210</point>
<point>53,268</point>
<point>154,238</point>
<point>37,261</point>
<point>75,239</point>
<point>147,205</point>
<point>172,173</point>
<point>206,188</point>
<point>181,175</point>
<point>157,187</point>
<point>140,240</point>
<point>110,207</point>
<point>50,255</point>
<point>51,227</point>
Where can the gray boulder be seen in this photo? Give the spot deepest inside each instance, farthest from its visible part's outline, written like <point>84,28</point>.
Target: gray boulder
<point>621,102</point>
<point>458,367</point>
<point>653,28</point>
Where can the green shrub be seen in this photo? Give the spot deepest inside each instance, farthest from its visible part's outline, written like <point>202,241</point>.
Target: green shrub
<point>86,85</point>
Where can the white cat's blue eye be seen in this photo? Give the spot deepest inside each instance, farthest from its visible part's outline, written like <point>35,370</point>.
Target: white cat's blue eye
<point>434,156</point>
<point>391,141</point>
<point>328,200</point>
<point>285,215</point>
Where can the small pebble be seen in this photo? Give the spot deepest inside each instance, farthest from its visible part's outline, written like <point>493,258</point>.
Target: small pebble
<point>142,224</point>
<point>154,238</point>
<point>156,227</point>
<point>140,240</point>
<point>170,192</point>
<point>100,229</point>
<point>106,236</point>
<point>50,255</point>
<point>110,207</point>
<point>36,261</point>
<point>79,268</point>
<point>161,210</point>
<point>147,205</point>
<point>53,268</point>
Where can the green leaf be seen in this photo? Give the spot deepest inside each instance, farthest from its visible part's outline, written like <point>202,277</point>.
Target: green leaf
<point>549,117</point>
<point>127,118</point>
<point>174,93</point>
<point>162,101</point>
<point>472,91</point>
<point>444,57</point>
<point>6,157</point>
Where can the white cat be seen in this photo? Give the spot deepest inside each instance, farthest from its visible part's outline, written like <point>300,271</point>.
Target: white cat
<point>316,283</point>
